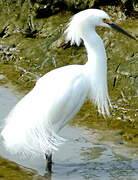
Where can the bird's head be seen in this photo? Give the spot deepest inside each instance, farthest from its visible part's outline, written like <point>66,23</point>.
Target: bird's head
<point>84,23</point>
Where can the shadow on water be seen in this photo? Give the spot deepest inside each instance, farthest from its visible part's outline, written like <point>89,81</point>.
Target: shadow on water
<point>82,157</point>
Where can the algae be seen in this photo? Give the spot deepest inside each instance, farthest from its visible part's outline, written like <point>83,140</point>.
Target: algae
<point>12,171</point>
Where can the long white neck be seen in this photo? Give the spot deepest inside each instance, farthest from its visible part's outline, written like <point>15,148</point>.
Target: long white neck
<point>96,67</point>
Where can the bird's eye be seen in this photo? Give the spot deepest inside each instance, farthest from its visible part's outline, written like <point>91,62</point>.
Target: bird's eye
<point>105,20</point>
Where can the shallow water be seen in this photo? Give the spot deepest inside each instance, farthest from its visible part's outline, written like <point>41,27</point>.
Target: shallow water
<point>83,156</point>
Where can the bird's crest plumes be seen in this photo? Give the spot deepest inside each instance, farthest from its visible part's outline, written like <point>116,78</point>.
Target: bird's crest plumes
<point>72,33</point>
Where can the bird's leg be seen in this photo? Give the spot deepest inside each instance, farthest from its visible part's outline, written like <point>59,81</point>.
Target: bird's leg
<point>49,162</point>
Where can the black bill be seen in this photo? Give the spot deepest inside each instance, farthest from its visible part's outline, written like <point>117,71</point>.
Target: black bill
<point>114,26</point>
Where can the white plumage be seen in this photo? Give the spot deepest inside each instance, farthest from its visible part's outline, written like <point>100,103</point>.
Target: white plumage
<point>33,125</point>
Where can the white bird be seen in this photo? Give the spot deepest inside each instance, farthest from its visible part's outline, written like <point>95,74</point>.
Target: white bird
<point>32,126</point>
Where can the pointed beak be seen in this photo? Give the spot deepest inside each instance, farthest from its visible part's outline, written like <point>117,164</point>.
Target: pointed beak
<point>114,26</point>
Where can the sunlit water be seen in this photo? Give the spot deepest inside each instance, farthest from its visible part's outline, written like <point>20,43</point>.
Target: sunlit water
<point>82,157</point>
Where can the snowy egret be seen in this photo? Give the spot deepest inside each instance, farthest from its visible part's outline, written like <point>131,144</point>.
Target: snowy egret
<point>32,127</point>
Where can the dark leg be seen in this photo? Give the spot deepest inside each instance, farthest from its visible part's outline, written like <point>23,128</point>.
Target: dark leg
<point>49,162</point>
